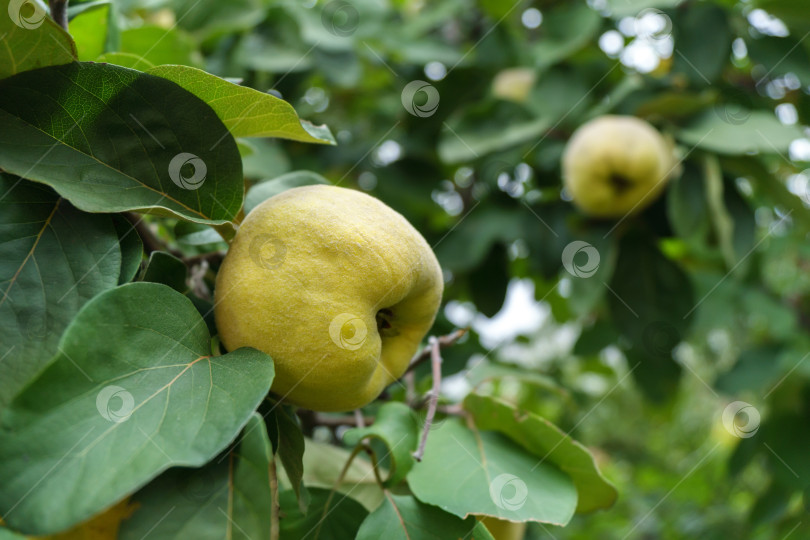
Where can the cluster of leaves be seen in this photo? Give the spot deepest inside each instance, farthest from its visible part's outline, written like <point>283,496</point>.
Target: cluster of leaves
<point>700,300</point>
<point>115,401</point>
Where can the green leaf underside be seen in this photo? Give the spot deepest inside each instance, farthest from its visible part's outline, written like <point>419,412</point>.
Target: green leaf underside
<point>245,111</point>
<point>32,41</point>
<point>548,442</point>
<point>105,136</point>
<point>469,462</point>
<point>53,259</point>
<point>264,190</point>
<point>395,425</point>
<point>402,517</point>
<point>228,498</point>
<point>132,392</point>
<point>746,132</point>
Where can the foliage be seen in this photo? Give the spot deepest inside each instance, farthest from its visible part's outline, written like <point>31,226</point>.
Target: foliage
<point>669,354</point>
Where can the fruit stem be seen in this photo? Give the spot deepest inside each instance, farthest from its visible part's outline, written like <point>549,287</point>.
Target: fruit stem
<point>433,397</point>
<point>59,12</point>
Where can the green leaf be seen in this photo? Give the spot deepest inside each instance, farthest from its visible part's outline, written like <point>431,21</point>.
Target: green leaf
<point>323,464</point>
<point>650,295</point>
<point>549,443</point>
<point>31,39</point>
<point>196,235</point>
<point>206,18</point>
<point>566,29</point>
<point>630,8</point>
<point>290,450</point>
<point>128,60</point>
<point>246,112</point>
<point>160,45</point>
<point>53,259</point>
<point>131,249</point>
<point>228,498</point>
<point>489,281</point>
<point>686,205</point>
<point>264,190</point>
<point>111,139</point>
<point>6,534</point>
<point>252,507</point>
<point>474,236</point>
<point>133,390</point>
<point>338,521</point>
<point>702,43</point>
<point>165,268</point>
<point>755,369</point>
<point>89,29</point>
<point>194,502</point>
<point>396,426</point>
<point>466,471</point>
<point>722,223</point>
<point>402,517</point>
<point>751,131</point>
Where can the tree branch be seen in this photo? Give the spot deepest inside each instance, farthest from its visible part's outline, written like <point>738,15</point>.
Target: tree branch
<point>59,12</point>
<point>150,240</point>
<point>433,400</point>
<point>443,341</point>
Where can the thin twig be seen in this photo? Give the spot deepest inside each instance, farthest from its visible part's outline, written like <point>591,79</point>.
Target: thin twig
<point>444,341</point>
<point>358,418</point>
<point>150,240</point>
<point>433,402</point>
<point>59,12</point>
<point>274,518</point>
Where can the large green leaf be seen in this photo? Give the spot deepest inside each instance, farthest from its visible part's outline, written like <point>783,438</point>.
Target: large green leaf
<point>228,498</point>
<point>245,111</point>
<point>402,517</point>
<point>53,259</point>
<point>133,390</point>
<point>395,425</point>
<point>548,442</point>
<point>466,471</point>
<point>649,290</point>
<point>111,139</point>
<point>748,131</point>
<point>30,39</point>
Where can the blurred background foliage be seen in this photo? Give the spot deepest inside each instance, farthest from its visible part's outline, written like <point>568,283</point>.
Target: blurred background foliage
<point>701,300</point>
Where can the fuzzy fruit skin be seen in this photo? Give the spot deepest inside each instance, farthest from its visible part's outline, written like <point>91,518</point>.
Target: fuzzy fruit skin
<point>611,146</point>
<point>303,281</point>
